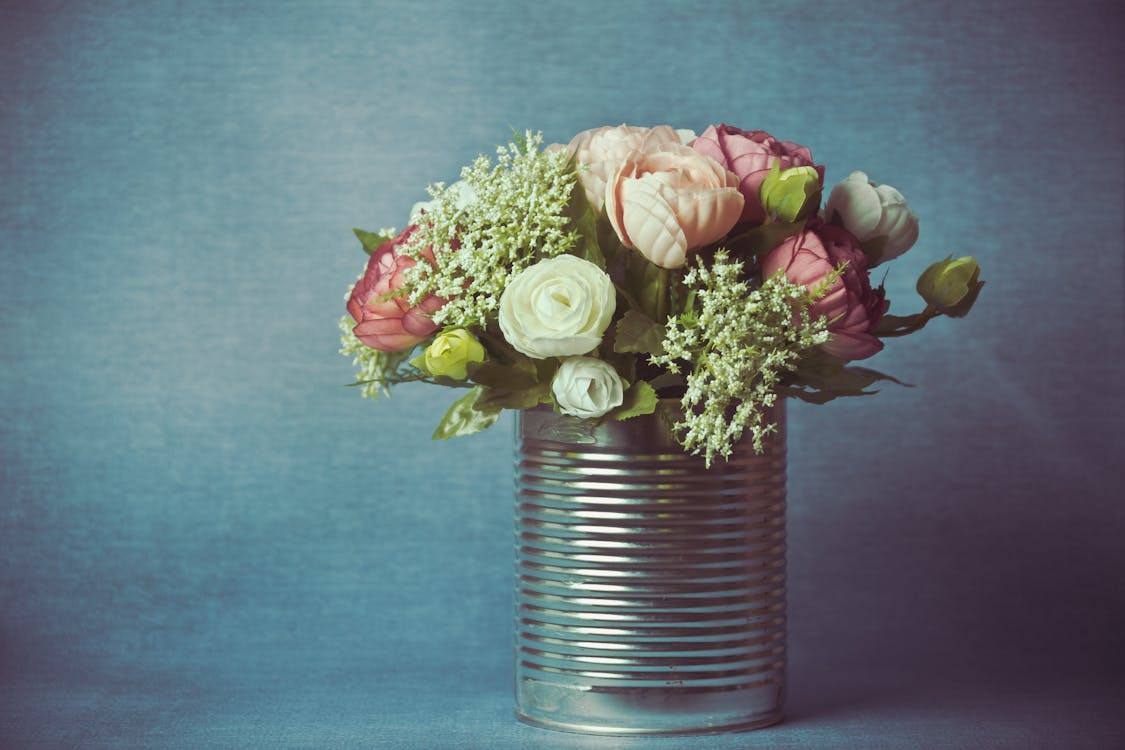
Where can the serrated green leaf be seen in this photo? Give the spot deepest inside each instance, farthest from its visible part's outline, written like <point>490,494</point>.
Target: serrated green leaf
<point>527,398</point>
<point>507,377</point>
<point>640,398</point>
<point>370,240</point>
<point>821,377</point>
<point>466,417</point>
<point>636,332</point>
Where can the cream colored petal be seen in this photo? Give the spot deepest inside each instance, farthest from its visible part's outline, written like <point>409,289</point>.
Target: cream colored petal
<point>613,203</point>
<point>858,205</point>
<point>651,224</point>
<point>705,216</point>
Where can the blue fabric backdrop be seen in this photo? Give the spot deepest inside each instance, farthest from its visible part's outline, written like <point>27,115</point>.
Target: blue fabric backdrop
<point>207,541</point>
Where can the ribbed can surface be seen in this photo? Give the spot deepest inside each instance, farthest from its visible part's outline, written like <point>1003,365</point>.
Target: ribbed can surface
<point>650,592</point>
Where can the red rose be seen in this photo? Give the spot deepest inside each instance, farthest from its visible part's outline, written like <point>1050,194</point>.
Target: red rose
<point>853,306</point>
<point>750,154</point>
<point>392,324</point>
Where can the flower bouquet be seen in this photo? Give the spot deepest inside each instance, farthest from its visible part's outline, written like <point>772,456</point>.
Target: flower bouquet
<point>644,297</point>
<point>637,270</point>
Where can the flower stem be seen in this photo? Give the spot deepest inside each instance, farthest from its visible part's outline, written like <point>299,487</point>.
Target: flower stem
<point>662,293</point>
<point>923,318</point>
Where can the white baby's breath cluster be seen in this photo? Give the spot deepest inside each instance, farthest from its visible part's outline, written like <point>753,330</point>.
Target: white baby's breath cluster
<point>737,342</point>
<point>372,367</point>
<point>515,216</point>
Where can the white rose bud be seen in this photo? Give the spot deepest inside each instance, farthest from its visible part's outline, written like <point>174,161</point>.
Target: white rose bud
<point>586,387</point>
<point>558,307</point>
<point>876,214</point>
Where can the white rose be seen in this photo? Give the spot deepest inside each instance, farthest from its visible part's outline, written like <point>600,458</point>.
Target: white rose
<point>871,211</point>
<point>586,387</point>
<point>558,307</point>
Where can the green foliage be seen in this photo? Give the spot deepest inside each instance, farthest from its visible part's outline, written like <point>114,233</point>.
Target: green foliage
<point>370,240</point>
<point>640,398</point>
<point>467,416</point>
<point>760,240</point>
<point>511,380</point>
<point>636,332</point>
<point>584,220</point>
<point>820,378</point>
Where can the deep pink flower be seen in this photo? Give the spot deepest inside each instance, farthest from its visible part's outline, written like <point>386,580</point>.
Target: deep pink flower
<point>750,154</point>
<point>390,325</point>
<point>813,253</point>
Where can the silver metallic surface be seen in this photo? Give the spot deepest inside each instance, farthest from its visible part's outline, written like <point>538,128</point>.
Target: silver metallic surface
<point>650,593</point>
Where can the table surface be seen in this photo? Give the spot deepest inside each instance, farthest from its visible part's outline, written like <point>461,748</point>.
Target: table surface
<point>282,702</point>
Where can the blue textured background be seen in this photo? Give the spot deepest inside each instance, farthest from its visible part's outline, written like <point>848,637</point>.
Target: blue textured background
<point>205,541</point>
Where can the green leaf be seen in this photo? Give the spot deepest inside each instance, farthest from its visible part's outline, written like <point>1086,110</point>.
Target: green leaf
<point>761,240</point>
<point>615,253</point>
<point>466,417</point>
<point>585,221</point>
<point>815,397</point>
<point>636,332</point>
<point>520,384</point>
<point>892,324</point>
<point>500,398</point>
<point>508,377</point>
<point>668,380</point>
<point>640,398</point>
<point>519,140</point>
<point>821,377</point>
<point>370,240</point>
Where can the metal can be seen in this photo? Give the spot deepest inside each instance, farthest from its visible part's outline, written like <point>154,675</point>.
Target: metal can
<point>650,590</point>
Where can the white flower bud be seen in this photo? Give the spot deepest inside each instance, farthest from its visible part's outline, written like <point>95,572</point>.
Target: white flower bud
<point>586,387</point>
<point>876,214</point>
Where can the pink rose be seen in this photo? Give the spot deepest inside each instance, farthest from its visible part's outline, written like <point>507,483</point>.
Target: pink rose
<point>602,150</point>
<point>390,325</point>
<point>750,154</point>
<point>809,256</point>
<point>666,199</point>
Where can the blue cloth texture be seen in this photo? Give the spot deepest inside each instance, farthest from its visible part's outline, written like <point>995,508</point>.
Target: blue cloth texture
<point>207,541</point>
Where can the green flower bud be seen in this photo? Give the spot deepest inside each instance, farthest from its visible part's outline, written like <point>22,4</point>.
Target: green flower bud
<point>790,195</point>
<point>951,286</point>
<point>450,353</point>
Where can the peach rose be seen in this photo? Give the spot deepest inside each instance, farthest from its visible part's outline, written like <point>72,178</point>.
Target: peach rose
<point>666,200</point>
<point>602,150</point>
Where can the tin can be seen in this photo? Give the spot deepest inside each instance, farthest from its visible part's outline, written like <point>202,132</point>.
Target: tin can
<point>650,591</point>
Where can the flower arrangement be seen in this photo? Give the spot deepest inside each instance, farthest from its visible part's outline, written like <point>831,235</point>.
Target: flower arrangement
<point>641,269</point>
